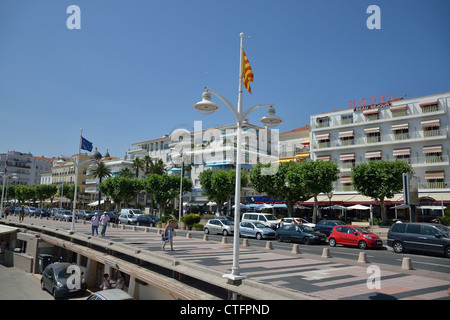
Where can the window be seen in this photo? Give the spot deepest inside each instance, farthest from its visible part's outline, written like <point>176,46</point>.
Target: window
<point>413,228</point>
<point>398,227</point>
<point>347,118</point>
<point>323,122</point>
<point>429,106</point>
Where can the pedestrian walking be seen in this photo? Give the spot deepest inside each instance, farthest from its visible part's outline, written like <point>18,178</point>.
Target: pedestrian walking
<point>167,236</point>
<point>21,213</point>
<point>104,219</point>
<point>94,223</point>
<point>6,212</point>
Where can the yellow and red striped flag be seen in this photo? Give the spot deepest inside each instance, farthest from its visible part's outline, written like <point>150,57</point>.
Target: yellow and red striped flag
<point>247,73</point>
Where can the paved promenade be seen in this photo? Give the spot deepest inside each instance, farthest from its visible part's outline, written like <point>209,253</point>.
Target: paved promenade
<point>314,277</point>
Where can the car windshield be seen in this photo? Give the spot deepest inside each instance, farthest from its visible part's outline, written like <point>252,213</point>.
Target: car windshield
<point>259,225</point>
<point>307,229</point>
<point>226,222</point>
<point>362,230</point>
<point>61,272</point>
<point>444,229</point>
<point>270,217</point>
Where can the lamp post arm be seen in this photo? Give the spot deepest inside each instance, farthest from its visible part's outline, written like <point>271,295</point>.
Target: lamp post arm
<point>246,112</point>
<point>228,103</point>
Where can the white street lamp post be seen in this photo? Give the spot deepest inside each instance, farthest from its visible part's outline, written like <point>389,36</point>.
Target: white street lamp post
<point>4,185</point>
<point>206,106</point>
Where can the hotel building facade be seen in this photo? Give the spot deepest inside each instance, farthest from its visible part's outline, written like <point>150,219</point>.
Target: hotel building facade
<point>415,130</point>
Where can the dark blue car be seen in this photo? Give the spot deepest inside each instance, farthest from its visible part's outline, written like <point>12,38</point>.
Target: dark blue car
<point>326,226</point>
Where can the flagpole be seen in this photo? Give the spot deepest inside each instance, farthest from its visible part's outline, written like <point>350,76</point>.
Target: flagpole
<point>74,206</point>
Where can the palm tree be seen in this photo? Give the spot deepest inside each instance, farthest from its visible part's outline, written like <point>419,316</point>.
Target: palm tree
<point>153,167</point>
<point>137,164</point>
<point>126,173</point>
<point>100,171</point>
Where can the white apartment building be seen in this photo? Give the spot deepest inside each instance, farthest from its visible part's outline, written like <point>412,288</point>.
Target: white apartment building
<point>24,166</point>
<point>414,130</point>
<point>213,148</point>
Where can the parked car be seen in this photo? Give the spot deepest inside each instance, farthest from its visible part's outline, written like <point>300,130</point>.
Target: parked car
<point>84,214</point>
<point>54,279</point>
<point>256,230</point>
<point>65,215</point>
<point>29,211</point>
<point>326,226</point>
<point>147,220</point>
<point>299,221</point>
<point>127,218</point>
<point>427,237</point>
<point>40,212</point>
<point>354,236</point>
<point>266,219</point>
<point>110,294</point>
<point>299,233</point>
<point>222,226</point>
<point>131,211</point>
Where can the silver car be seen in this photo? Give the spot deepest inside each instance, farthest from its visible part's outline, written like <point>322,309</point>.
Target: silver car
<point>224,227</point>
<point>256,230</point>
<point>127,218</point>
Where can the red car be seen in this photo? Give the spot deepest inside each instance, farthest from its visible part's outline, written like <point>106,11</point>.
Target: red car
<point>354,236</point>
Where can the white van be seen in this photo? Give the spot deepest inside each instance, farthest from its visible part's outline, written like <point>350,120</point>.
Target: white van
<point>266,219</point>
<point>131,211</point>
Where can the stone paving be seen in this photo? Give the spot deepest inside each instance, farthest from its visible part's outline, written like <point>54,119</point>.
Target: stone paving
<point>314,276</point>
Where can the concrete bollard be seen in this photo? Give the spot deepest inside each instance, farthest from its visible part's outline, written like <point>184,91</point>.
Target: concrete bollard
<point>205,237</point>
<point>134,228</point>
<point>269,245</point>
<point>147,229</point>
<point>188,235</point>
<point>326,253</point>
<point>406,264</point>
<point>295,248</point>
<point>362,257</point>
<point>245,243</point>
<point>224,240</point>
<point>123,227</point>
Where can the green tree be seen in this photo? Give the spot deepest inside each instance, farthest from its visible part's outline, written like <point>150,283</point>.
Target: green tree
<point>121,188</point>
<point>153,167</point>
<point>220,185</point>
<point>138,164</point>
<point>380,180</point>
<point>165,187</point>
<point>25,192</point>
<point>100,171</point>
<point>318,177</point>
<point>277,185</point>
<point>45,191</point>
<point>126,173</point>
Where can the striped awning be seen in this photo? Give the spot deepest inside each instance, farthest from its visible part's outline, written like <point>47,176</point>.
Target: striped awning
<point>434,175</point>
<point>345,180</point>
<point>432,149</point>
<point>324,158</point>
<point>372,130</point>
<point>325,136</point>
<point>399,108</point>
<point>346,134</point>
<point>347,156</point>
<point>431,123</point>
<point>400,126</point>
<point>373,154</point>
<point>429,103</point>
<point>401,152</point>
<point>371,111</point>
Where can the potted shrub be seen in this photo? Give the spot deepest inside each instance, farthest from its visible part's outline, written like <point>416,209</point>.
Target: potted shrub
<point>191,219</point>
<point>197,227</point>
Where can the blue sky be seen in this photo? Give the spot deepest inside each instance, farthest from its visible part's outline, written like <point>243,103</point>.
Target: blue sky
<point>136,67</point>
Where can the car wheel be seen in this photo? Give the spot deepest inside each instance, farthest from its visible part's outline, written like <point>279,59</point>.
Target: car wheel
<point>362,245</point>
<point>398,247</point>
<point>258,236</point>
<point>225,233</point>
<point>332,242</point>
<point>42,285</point>
<point>54,294</point>
<point>307,240</point>
<point>206,230</point>
<point>447,251</point>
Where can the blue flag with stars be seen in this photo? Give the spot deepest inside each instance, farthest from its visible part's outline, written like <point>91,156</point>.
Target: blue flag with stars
<point>86,144</point>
